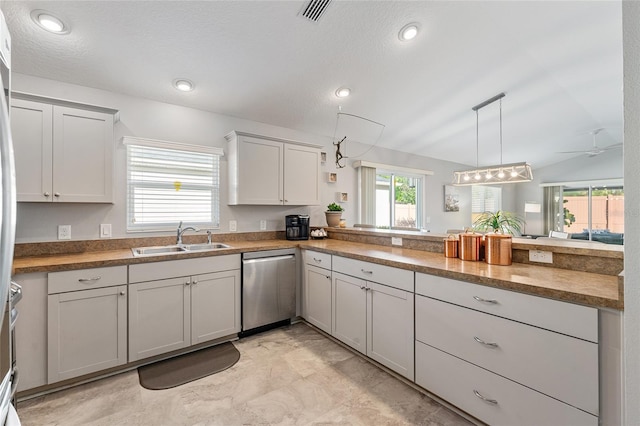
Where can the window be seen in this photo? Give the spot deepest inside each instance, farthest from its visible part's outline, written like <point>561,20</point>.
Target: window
<point>485,199</point>
<point>390,197</point>
<point>169,182</point>
<point>587,210</point>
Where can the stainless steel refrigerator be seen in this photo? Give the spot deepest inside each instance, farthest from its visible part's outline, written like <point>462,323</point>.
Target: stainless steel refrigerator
<point>8,372</point>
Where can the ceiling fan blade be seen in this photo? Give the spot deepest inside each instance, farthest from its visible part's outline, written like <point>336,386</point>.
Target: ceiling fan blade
<point>614,146</point>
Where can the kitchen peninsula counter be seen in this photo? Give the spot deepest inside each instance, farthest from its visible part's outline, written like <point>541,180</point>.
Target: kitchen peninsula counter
<point>592,289</point>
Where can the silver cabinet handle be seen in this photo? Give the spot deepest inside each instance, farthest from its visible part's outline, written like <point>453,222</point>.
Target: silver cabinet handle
<point>122,293</point>
<point>85,280</point>
<point>187,283</point>
<point>317,260</point>
<point>482,342</point>
<point>328,277</point>
<point>480,299</point>
<point>362,287</point>
<point>366,272</point>
<point>194,282</point>
<point>56,194</point>
<point>485,399</point>
<point>46,194</point>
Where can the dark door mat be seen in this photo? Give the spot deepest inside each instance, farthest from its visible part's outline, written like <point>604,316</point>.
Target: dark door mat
<point>188,367</point>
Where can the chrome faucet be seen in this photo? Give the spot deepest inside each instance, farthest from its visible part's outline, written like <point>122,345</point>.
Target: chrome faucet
<point>209,236</point>
<point>181,231</point>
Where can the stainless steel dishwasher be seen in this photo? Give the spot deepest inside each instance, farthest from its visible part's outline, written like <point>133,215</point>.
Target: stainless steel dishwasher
<point>268,289</point>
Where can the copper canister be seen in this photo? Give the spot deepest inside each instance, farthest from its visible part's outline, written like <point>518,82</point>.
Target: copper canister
<point>450,247</point>
<point>470,246</point>
<point>498,249</point>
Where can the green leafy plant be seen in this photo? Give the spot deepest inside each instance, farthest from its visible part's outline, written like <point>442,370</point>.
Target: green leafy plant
<point>500,221</point>
<point>569,217</point>
<point>333,207</point>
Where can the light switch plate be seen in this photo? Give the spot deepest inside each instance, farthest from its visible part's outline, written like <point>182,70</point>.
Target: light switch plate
<point>233,225</point>
<point>396,241</point>
<point>64,232</point>
<point>263,225</point>
<point>105,230</point>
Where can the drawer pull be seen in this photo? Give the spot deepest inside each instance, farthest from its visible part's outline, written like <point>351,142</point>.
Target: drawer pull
<point>86,280</point>
<point>366,272</point>
<point>482,342</point>
<point>122,293</point>
<point>328,277</point>
<point>480,299</point>
<point>485,399</point>
<point>362,287</point>
<point>317,260</point>
<point>194,282</point>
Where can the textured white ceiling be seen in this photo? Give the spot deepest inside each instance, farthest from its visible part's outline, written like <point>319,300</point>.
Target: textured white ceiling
<point>560,64</point>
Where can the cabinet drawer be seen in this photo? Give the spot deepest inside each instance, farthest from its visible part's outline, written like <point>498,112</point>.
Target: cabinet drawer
<point>557,365</point>
<point>394,277</point>
<point>181,268</point>
<point>84,279</point>
<point>563,317</point>
<point>315,258</point>
<point>455,381</point>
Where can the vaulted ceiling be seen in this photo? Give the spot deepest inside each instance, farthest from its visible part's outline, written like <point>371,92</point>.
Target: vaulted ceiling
<point>559,63</point>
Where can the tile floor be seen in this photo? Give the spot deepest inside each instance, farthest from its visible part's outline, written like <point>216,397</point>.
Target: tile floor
<point>291,375</point>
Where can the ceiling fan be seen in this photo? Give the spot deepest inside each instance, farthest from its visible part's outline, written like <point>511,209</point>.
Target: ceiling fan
<point>595,149</point>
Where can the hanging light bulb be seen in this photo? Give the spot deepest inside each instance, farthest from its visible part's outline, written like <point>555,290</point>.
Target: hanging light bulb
<point>466,176</point>
<point>477,176</point>
<point>488,175</point>
<point>513,172</point>
<point>501,173</point>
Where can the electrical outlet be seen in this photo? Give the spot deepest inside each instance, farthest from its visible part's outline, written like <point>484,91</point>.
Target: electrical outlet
<point>64,232</point>
<point>233,225</point>
<point>428,219</point>
<point>263,225</point>
<point>540,256</point>
<point>105,230</point>
<point>396,241</point>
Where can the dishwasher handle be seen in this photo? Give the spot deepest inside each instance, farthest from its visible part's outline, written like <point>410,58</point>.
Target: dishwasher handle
<point>268,259</point>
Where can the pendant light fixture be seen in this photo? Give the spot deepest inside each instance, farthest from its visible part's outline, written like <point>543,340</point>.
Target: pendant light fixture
<point>502,173</point>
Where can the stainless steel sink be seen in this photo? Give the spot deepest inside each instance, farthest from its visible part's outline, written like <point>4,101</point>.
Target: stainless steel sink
<point>205,246</point>
<point>162,250</point>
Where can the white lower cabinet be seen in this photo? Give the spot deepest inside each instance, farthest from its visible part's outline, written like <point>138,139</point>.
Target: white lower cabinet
<point>86,322</point>
<point>489,397</point>
<point>373,318</point>
<point>317,297</point>
<point>503,368</point>
<point>174,313</point>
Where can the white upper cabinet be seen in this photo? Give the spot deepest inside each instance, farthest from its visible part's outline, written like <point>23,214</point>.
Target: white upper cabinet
<point>272,171</point>
<point>63,153</point>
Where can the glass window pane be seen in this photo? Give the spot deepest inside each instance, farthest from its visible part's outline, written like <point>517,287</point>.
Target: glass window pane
<point>405,207</point>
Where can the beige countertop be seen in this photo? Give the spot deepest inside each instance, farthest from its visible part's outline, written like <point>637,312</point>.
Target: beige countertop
<point>598,290</point>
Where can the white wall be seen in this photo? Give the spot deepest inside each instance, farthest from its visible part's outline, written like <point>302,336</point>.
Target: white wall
<point>631,44</point>
<point>145,118</point>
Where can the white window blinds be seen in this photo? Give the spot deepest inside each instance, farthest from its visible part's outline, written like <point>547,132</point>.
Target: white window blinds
<point>485,199</point>
<point>166,185</point>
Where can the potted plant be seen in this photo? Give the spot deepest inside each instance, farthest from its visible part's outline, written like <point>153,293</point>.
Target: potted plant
<point>333,214</point>
<point>499,222</point>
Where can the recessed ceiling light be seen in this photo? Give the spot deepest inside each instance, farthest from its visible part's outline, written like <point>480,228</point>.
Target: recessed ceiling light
<point>408,32</point>
<point>183,85</point>
<point>343,92</point>
<point>48,21</point>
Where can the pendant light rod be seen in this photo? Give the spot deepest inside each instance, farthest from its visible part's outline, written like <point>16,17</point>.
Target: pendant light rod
<point>489,101</point>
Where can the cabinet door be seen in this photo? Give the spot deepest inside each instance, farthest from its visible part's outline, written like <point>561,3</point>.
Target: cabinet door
<point>83,149</point>
<point>87,331</point>
<point>259,171</point>
<point>390,337</point>
<point>159,317</point>
<point>301,175</point>
<point>350,311</point>
<point>215,306</point>
<point>317,297</point>
<point>31,128</point>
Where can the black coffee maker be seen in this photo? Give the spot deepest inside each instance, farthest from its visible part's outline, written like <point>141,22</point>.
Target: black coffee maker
<point>297,226</point>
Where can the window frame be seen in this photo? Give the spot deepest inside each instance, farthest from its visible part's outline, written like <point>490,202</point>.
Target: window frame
<point>184,149</point>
